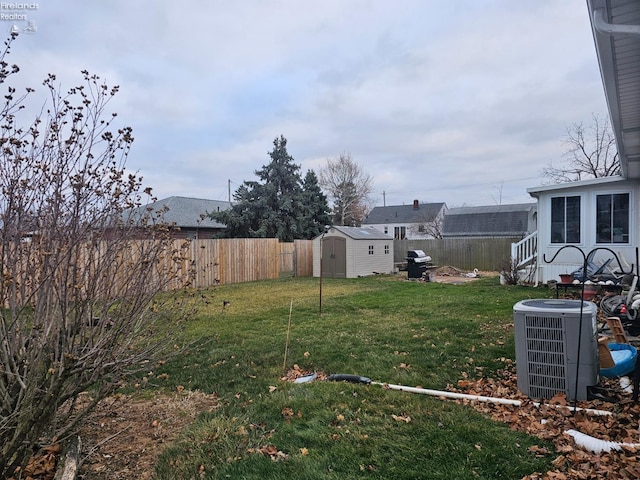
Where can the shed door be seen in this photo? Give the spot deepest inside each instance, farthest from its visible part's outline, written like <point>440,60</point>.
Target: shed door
<point>334,257</point>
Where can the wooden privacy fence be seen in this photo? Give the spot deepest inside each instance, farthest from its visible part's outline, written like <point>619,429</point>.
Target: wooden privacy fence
<point>110,269</point>
<point>489,254</point>
<point>237,260</point>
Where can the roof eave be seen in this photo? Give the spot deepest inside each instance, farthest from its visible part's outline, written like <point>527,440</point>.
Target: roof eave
<point>625,129</point>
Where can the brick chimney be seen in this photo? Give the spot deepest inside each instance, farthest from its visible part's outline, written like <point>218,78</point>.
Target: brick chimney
<point>416,205</point>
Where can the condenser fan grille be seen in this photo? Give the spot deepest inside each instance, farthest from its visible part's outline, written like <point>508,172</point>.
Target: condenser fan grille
<point>546,362</point>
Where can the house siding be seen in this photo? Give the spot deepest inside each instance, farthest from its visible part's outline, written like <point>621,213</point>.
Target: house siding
<point>571,259</point>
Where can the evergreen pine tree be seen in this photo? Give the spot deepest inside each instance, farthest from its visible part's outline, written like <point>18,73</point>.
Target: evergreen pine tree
<point>277,205</point>
<point>316,212</point>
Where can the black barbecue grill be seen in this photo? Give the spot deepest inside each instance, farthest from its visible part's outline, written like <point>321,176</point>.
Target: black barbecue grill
<point>418,264</point>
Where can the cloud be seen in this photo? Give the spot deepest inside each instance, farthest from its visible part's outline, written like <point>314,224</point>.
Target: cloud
<point>445,101</point>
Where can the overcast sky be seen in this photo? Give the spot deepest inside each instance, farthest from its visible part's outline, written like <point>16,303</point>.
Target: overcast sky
<point>462,102</point>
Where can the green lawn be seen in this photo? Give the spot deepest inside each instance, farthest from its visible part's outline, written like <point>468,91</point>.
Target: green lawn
<point>385,328</point>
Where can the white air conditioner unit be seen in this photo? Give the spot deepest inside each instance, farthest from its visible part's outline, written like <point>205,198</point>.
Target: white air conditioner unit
<point>553,352</point>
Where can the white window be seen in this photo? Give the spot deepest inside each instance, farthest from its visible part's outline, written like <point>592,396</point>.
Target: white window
<point>612,218</point>
<point>565,219</point>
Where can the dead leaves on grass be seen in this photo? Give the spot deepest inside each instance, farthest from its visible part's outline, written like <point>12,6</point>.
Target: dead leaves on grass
<point>270,451</point>
<point>401,418</point>
<point>296,372</point>
<point>549,422</point>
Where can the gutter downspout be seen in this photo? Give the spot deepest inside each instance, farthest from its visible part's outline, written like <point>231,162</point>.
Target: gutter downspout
<point>602,26</point>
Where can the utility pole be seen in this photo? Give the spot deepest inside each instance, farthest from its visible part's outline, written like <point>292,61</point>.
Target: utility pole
<point>229,189</point>
<point>384,198</point>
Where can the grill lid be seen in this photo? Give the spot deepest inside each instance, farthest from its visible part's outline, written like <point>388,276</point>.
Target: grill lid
<point>418,256</point>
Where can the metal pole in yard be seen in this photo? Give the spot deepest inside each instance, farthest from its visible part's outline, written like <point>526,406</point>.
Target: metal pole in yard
<point>326,229</point>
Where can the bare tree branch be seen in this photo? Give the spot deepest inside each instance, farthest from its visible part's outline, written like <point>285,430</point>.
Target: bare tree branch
<point>349,188</point>
<point>79,308</point>
<point>428,225</point>
<point>590,153</point>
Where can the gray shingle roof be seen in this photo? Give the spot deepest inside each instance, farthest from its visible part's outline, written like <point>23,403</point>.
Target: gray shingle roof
<point>186,212</point>
<point>426,212</point>
<point>490,220</point>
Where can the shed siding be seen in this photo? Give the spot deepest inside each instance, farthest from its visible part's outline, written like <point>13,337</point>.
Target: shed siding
<point>358,261</point>
<point>365,264</point>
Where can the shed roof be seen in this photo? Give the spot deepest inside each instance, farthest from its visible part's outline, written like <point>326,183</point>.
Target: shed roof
<point>187,212</point>
<point>489,220</point>
<point>425,212</point>
<point>361,233</point>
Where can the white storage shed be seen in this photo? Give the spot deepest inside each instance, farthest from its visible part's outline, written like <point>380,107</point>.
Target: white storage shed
<point>351,252</point>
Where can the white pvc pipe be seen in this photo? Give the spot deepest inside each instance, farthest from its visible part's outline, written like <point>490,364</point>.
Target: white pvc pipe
<point>597,445</point>
<point>481,398</point>
<point>454,395</point>
<point>593,444</point>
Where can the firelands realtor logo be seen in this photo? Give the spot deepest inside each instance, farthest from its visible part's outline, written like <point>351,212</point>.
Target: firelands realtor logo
<point>19,14</point>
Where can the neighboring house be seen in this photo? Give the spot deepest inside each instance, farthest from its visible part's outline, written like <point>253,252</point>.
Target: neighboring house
<point>602,213</point>
<point>411,222</point>
<point>187,217</point>
<point>515,220</point>
<point>351,252</point>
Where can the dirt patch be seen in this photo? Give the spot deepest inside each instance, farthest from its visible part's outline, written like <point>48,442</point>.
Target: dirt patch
<point>453,275</point>
<point>123,437</point>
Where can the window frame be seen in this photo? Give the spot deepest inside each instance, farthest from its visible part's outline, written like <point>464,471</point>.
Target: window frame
<point>611,221</point>
<point>575,211</point>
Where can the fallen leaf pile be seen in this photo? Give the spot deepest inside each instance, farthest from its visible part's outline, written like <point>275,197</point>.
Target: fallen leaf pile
<point>42,466</point>
<point>270,451</point>
<point>550,420</point>
<point>296,372</point>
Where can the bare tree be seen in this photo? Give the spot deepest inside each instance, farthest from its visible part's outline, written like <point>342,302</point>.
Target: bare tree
<point>591,153</point>
<point>429,226</point>
<point>79,310</point>
<point>500,189</point>
<point>349,188</point>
